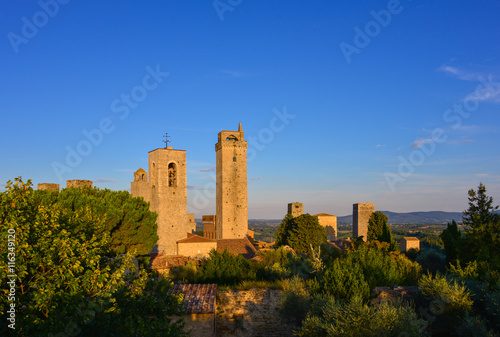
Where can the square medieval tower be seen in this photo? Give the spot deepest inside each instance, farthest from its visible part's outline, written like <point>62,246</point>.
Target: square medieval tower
<point>168,186</point>
<point>360,215</point>
<point>231,190</point>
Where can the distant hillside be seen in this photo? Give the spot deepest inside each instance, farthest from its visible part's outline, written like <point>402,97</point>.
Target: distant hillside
<point>433,217</point>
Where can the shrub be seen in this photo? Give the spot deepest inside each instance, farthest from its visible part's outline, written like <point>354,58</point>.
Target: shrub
<point>432,260</point>
<point>473,326</point>
<point>225,269</point>
<point>186,273</point>
<point>447,299</point>
<point>329,317</point>
<point>295,302</point>
<point>343,280</point>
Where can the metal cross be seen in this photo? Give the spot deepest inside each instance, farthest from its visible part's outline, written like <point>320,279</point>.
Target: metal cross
<point>166,141</point>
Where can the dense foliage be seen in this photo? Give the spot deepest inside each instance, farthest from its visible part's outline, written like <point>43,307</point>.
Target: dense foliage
<point>363,268</point>
<point>301,233</point>
<point>128,220</point>
<point>67,277</point>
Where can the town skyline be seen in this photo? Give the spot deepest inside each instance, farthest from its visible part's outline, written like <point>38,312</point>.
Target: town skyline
<point>391,102</point>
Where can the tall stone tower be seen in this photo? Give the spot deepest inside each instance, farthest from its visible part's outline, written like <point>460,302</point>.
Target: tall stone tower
<point>231,191</point>
<point>168,185</point>
<point>295,209</point>
<point>166,192</point>
<point>360,215</point>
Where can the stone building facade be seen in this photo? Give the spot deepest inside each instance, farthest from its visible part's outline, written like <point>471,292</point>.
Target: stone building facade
<point>208,226</point>
<point>409,242</point>
<point>330,223</point>
<point>295,209</point>
<point>361,213</point>
<point>231,185</point>
<point>166,191</point>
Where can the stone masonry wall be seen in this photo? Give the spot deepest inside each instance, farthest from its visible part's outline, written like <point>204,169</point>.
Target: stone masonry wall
<point>250,313</point>
<point>78,183</point>
<point>49,187</point>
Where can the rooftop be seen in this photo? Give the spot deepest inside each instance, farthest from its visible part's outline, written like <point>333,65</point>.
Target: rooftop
<point>237,246</point>
<point>198,298</point>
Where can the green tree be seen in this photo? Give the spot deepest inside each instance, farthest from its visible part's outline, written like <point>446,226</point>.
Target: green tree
<point>128,220</point>
<point>376,225</point>
<point>482,230</point>
<point>65,273</point>
<point>300,233</point>
<point>452,239</point>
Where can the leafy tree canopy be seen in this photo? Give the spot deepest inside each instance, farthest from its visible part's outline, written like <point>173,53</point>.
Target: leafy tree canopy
<point>300,233</point>
<point>65,278</point>
<point>128,220</point>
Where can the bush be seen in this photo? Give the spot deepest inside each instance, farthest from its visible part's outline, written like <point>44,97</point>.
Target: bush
<point>186,273</point>
<point>295,302</point>
<point>343,280</point>
<point>225,269</point>
<point>432,260</point>
<point>329,317</point>
<point>446,299</point>
<point>281,263</point>
<point>473,326</point>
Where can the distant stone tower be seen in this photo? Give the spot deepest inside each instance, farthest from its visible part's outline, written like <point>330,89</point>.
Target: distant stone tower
<point>231,189</point>
<point>295,209</point>
<point>78,183</point>
<point>360,215</point>
<point>166,191</point>
<point>140,186</point>
<point>49,187</point>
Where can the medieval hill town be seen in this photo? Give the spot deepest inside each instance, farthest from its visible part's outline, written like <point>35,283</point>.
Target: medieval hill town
<point>216,278</point>
<point>250,168</point>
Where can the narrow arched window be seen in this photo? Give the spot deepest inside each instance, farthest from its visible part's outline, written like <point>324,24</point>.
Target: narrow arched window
<point>172,175</point>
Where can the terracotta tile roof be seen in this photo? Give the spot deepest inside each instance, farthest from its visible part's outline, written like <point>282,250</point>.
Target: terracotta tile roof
<point>411,238</point>
<point>195,238</point>
<point>323,214</point>
<point>237,246</point>
<point>169,261</point>
<point>198,298</point>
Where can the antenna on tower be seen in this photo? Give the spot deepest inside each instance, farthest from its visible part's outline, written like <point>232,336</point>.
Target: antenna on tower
<point>166,141</point>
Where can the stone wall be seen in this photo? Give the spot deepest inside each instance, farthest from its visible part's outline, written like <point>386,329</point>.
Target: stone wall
<point>193,249</point>
<point>49,187</point>
<point>250,313</point>
<point>330,223</point>
<point>78,183</point>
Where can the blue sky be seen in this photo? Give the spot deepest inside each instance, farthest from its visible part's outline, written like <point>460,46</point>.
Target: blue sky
<point>391,102</point>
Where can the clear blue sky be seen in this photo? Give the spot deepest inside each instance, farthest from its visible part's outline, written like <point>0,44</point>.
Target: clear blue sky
<point>395,103</point>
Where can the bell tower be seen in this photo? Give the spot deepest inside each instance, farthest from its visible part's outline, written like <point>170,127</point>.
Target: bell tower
<point>231,190</point>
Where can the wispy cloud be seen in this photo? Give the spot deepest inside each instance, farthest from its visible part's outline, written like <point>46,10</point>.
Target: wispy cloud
<point>379,145</point>
<point>490,90</point>
<point>418,143</point>
<point>105,180</point>
<point>461,141</point>
<point>211,169</point>
<point>460,74</point>
<point>487,94</point>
